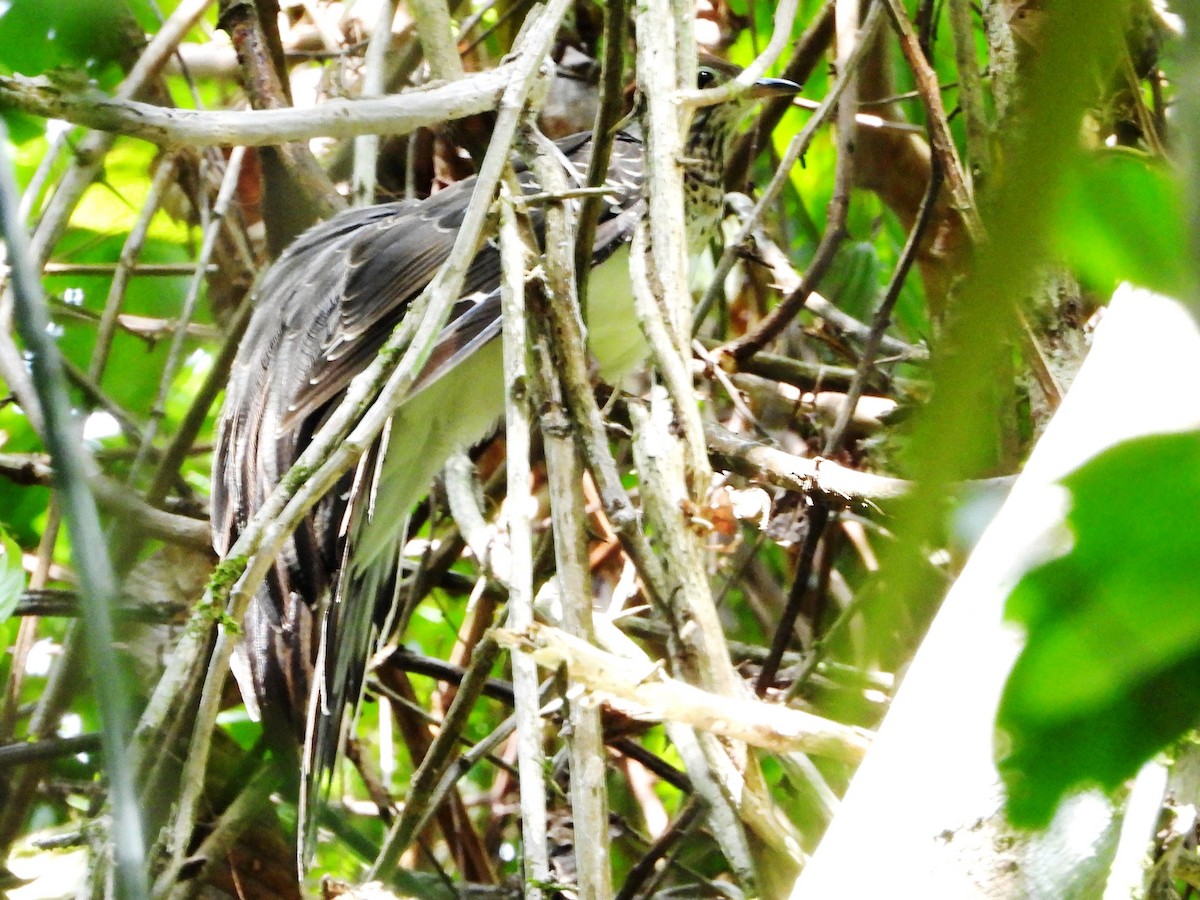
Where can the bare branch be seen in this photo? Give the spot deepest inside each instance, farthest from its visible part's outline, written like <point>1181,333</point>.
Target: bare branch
<point>398,114</point>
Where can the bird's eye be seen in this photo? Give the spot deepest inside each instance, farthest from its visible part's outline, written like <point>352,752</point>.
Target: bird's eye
<point>705,77</point>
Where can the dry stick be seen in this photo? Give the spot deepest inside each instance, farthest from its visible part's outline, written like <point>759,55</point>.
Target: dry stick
<point>149,329</point>
<point>1145,117</point>
<point>56,141</point>
<point>833,442</point>
<point>366,146</point>
<point>444,803</point>
<point>125,265</point>
<point>818,512</point>
<point>212,229</point>
<point>519,505</point>
<point>747,345</point>
<point>585,738</point>
<point>675,472</point>
<point>251,801</point>
<point>27,631</point>
<point>666,318</point>
<point>809,51</point>
<point>331,453</point>
<point>433,21</point>
<point>399,114</point>
<point>970,92</point>
<point>260,54</point>
<point>97,582</point>
<point>787,279</point>
<point>940,138</point>
<point>608,114</point>
<point>110,269</point>
<point>833,483</point>
<point>944,148</point>
<point>503,692</point>
<point>659,275</point>
<point>814,375</point>
<point>62,683</point>
<point>458,768</point>
<point>643,869</point>
<point>442,752</point>
<point>182,440</point>
<point>588,425</point>
<point>463,493</point>
<point>399,67</point>
<point>115,498</point>
<point>44,721</point>
<point>883,316</point>
<point>64,604</point>
<point>25,752</point>
<point>696,652</point>
<point>640,689</point>
<point>93,394</point>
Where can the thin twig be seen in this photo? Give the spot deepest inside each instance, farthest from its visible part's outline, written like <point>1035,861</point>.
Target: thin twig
<point>183,439</point>
<point>89,553</point>
<point>970,92</point>
<point>584,738</point>
<point>442,753</point>
<point>88,156</point>
<point>212,228</point>
<point>769,328</point>
<point>643,869</point>
<point>397,115</point>
<point>366,146</point>
<point>125,266</point>
<point>531,757</point>
<point>883,315</point>
<point>818,512</point>
<point>940,138</point>
<point>834,439</point>
<point>24,752</point>
<point>608,113</point>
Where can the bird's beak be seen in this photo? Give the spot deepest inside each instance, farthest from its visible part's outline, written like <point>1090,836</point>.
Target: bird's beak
<point>773,87</point>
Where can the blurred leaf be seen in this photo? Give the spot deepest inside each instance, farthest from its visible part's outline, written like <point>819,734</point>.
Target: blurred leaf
<point>12,575</point>
<point>36,36</point>
<point>1109,673</point>
<point>1121,218</point>
<point>853,280</point>
<point>22,128</point>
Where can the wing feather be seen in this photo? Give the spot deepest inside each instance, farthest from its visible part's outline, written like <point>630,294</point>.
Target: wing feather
<point>324,310</point>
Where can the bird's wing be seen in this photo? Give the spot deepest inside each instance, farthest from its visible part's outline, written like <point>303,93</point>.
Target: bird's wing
<point>325,308</point>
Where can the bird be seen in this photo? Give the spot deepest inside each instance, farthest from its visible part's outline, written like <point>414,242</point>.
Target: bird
<point>322,311</point>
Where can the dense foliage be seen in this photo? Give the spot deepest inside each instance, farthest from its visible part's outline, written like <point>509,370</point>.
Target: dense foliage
<point>909,307</point>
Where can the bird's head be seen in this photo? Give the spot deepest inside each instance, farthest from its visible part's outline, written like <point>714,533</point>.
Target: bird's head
<point>713,127</point>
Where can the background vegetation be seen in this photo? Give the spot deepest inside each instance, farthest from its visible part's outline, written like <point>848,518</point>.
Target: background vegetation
<point>931,264</point>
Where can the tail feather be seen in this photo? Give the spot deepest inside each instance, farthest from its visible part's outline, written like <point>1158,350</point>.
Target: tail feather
<point>456,410</point>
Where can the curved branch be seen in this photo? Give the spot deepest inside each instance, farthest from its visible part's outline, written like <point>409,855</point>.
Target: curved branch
<point>398,114</point>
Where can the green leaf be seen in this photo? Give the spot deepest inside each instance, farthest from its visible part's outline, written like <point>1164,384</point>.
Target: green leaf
<point>12,576</point>
<point>1110,673</point>
<point>1121,218</point>
<point>853,280</point>
<point>36,36</point>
